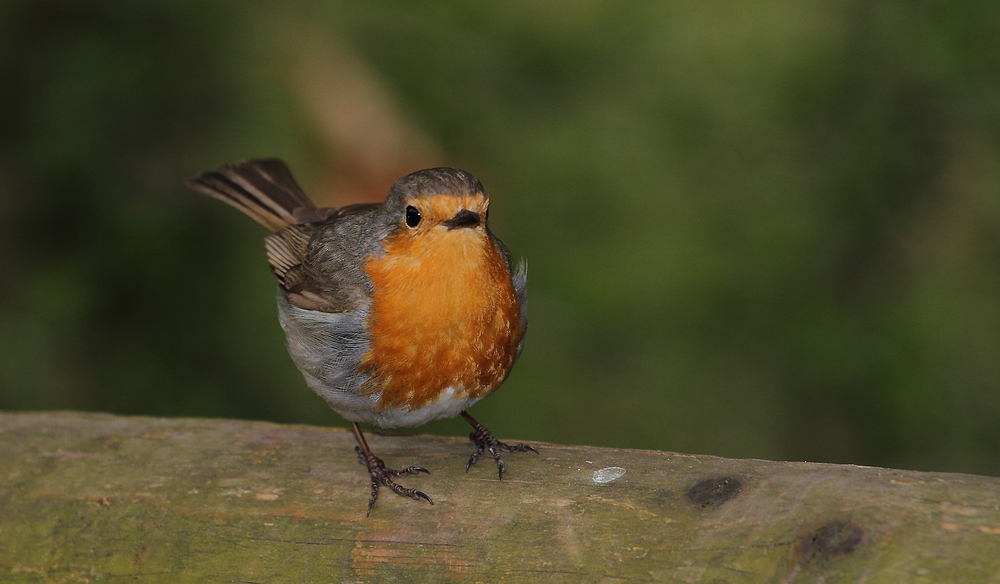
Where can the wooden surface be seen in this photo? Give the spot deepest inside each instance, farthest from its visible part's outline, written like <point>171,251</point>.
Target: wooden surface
<point>98,498</point>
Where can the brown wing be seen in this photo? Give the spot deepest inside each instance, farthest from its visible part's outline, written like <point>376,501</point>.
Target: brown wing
<point>286,251</point>
<point>262,188</point>
<point>265,190</point>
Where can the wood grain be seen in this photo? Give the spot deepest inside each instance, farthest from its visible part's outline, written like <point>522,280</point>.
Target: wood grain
<point>96,498</point>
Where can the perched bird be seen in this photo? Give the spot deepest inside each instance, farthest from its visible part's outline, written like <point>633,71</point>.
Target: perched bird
<point>397,313</point>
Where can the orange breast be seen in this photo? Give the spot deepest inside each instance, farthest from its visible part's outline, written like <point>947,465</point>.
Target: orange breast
<point>443,314</point>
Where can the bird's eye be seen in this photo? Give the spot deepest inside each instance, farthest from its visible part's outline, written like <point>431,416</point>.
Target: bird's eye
<point>412,217</point>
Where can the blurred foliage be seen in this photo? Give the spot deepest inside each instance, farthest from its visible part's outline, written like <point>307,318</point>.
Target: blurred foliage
<point>757,230</point>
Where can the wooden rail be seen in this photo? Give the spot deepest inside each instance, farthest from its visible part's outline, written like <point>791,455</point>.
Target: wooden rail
<point>100,498</point>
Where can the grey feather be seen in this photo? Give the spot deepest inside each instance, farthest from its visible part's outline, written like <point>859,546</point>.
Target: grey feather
<point>327,347</point>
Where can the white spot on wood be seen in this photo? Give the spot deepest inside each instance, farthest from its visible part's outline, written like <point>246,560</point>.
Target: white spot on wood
<point>606,475</point>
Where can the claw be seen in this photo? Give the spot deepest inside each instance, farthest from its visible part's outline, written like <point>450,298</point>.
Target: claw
<point>485,441</point>
<point>380,475</point>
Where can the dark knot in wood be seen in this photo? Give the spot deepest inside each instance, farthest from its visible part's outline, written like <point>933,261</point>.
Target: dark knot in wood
<point>714,491</point>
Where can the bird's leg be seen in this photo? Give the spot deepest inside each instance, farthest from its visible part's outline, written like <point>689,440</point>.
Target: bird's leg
<point>381,475</point>
<point>486,441</point>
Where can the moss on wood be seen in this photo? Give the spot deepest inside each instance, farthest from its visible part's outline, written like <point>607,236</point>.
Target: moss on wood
<point>88,497</point>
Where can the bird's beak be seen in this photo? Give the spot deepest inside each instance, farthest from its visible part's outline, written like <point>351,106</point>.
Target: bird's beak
<point>463,218</point>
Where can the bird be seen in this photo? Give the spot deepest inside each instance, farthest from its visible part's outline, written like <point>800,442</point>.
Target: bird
<point>396,313</point>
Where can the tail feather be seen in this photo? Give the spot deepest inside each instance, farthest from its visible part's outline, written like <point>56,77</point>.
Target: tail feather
<point>262,188</point>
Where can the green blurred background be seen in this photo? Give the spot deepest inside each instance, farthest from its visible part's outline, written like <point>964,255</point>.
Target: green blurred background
<point>764,229</point>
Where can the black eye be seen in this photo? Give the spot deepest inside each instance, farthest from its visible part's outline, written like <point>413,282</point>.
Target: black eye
<point>412,217</point>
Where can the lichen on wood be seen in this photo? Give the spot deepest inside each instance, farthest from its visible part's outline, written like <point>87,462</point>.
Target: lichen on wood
<point>91,497</point>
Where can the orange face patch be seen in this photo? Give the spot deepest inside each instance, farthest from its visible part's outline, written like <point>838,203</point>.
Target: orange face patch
<point>444,312</point>
<point>442,207</point>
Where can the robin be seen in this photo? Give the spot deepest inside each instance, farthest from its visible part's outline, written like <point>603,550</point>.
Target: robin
<point>397,313</point>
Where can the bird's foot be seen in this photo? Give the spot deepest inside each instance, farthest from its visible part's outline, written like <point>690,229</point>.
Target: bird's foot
<point>485,441</point>
<point>381,475</point>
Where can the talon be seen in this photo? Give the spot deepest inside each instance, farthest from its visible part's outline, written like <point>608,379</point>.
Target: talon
<point>485,441</point>
<point>475,455</point>
<point>373,498</point>
<point>380,475</point>
<point>418,494</point>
